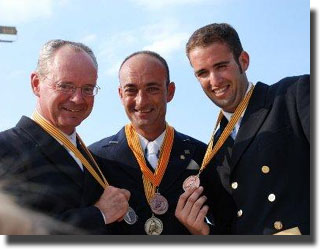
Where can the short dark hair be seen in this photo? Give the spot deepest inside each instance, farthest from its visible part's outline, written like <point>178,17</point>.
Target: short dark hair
<point>153,54</point>
<point>216,32</point>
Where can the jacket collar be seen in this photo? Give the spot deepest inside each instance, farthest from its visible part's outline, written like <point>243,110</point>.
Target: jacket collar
<point>181,154</point>
<point>253,118</point>
<point>50,147</point>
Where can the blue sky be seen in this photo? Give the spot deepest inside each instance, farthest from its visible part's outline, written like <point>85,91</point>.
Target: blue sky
<point>275,33</point>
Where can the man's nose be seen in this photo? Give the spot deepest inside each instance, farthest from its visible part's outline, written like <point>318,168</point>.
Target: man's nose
<point>77,96</point>
<point>215,79</point>
<point>141,98</point>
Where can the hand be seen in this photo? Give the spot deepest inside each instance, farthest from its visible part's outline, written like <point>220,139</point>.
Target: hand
<point>191,212</point>
<point>113,203</point>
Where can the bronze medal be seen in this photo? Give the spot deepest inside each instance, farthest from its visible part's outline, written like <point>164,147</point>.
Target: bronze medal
<point>159,204</point>
<point>153,226</point>
<point>130,217</point>
<point>190,182</point>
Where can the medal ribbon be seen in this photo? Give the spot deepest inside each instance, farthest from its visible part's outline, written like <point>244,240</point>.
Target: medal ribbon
<point>150,180</point>
<point>57,134</point>
<point>211,151</point>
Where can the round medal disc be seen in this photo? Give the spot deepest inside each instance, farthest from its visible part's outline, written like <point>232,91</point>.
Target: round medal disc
<point>130,217</point>
<point>159,204</point>
<point>153,226</point>
<point>191,181</point>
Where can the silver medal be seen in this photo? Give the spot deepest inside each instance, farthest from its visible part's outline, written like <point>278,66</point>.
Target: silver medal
<point>130,217</point>
<point>153,226</point>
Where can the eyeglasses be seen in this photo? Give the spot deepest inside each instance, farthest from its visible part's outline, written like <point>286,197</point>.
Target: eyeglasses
<point>69,88</point>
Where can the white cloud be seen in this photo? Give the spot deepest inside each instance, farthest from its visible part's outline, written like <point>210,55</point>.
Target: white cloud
<point>159,4</point>
<point>165,38</point>
<point>89,38</point>
<point>167,45</point>
<point>13,12</point>
<point>112,51</point>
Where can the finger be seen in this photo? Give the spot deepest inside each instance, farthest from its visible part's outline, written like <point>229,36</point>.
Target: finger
<point>196,207</point>
<point>126,193</point>
<point>109,190</point>
<point>183,198</point>
<point>201,225</point>
<point>121,218</point>
<point>192,199</point>
<point>202,214</point>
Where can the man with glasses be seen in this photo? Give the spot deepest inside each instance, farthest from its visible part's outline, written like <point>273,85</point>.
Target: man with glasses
<point>43,160</point>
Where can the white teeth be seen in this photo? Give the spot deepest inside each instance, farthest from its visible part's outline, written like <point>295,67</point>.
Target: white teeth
<point>219,91</point>
<point>72,110</point>
<point>144,111</point>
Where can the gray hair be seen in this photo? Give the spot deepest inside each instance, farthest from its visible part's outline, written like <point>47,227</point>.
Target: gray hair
<point>49,49</point>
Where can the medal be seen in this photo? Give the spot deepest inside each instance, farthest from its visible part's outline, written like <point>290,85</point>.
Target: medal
<point>190,182</point>
<point>131,216</point>
<point>213,147</point>
<point>153,226</point>
<point>159,204</point>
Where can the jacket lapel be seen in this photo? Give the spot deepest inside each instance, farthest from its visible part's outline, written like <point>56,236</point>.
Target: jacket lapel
<point>255,114</point>
<point>54,151</point>
<point>181,154</point>
<point>119,151</point>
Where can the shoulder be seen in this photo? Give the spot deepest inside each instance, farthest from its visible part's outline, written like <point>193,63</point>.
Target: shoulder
<point>14,139</point>
<point>188,139</point>
<point>101,145</point>
<point>287,88</point>
<point>291,84</point>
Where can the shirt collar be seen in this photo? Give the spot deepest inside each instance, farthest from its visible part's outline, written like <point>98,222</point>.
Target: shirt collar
<point>229,115</point>
<point>158,141</point>
<point>72,137</point>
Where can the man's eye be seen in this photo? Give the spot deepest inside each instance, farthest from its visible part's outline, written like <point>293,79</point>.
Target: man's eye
<point>88,90</point>
<point>130,90</point>
<point>202,74</point>
<point>65,86</point>
<point>153,89</point>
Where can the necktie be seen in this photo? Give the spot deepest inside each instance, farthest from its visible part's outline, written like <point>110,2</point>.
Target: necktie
<point>229,142</point>
<point>152,154</point>
<point>223,157</point>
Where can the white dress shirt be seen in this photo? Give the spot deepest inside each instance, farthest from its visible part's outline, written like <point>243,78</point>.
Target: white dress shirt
<point>157,143</point>
<point>229,115</point>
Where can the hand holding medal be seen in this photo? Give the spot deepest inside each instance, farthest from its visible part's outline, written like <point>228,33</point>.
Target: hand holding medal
<point>212,149</point>
<point>97,175</point>
<point>191,211</point>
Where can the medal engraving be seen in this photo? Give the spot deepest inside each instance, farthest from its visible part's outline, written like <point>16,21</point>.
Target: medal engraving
<point>130,217</point>
<point>153,226</point>
<point>159,204</point>
<point>190,182</point>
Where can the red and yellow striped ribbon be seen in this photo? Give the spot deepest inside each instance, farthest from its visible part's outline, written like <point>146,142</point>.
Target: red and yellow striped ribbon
<point>211,151</point>
<point>150,180</point>
<point>57,134</point>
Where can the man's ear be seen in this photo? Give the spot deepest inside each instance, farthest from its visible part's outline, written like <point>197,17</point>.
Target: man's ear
<point>120,93</point>
<point>244,60</point>
<point>171,90</point>
<point>35,83</point>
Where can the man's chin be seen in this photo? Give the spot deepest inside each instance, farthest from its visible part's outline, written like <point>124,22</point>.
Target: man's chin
<point>70,125</point>
<point>141,123</point>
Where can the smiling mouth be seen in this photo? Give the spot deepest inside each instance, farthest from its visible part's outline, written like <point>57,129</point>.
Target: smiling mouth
<point>146,111</point>
<point>72,110</point>
<point>221,91</point>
